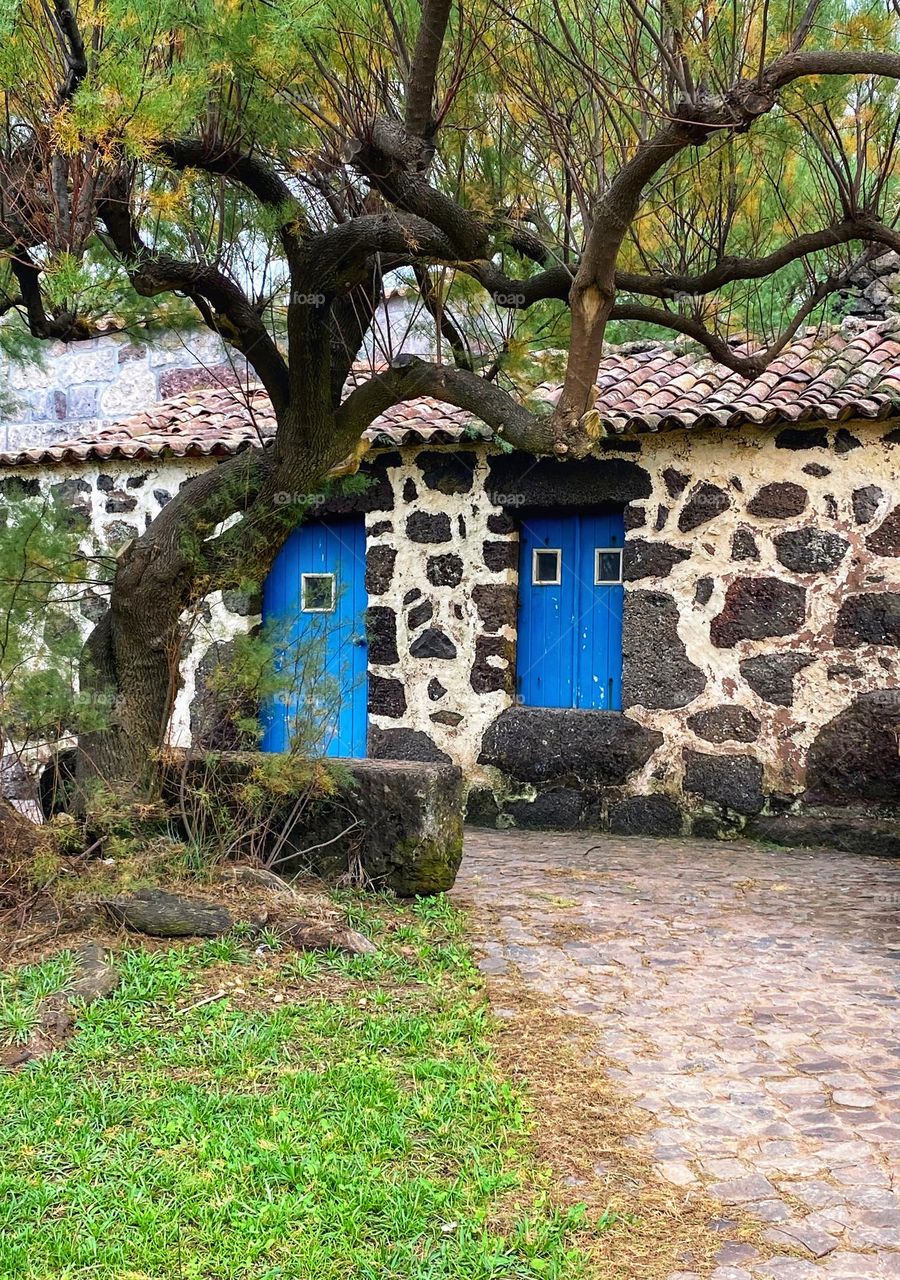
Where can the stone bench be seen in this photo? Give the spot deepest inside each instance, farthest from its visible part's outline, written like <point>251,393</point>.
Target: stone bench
<point>395,823</point>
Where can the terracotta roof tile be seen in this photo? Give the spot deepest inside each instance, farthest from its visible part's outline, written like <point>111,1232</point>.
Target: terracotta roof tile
<point>833,376</point>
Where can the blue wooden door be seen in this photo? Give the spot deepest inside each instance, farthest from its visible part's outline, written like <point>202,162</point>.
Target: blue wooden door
<point>570,611</point>
<point>315,601</point>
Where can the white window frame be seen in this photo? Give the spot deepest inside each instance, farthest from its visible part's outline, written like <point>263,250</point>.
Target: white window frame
<point>304,577</point>
<point>546,582</point>
<point>605,551</point>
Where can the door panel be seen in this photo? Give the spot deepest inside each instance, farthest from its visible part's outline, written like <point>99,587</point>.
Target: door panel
<point>315,596</point>
<point>570,622</point>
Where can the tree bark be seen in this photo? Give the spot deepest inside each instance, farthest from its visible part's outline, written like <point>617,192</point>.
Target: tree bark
<point>19,838</point>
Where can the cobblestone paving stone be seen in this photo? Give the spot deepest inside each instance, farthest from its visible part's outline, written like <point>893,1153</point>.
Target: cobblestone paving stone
<point>749,1001</point>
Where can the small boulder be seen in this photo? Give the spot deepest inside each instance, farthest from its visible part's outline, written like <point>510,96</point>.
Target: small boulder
<point>322,935</point>
<point>95,977</point>
<point>257,877</point>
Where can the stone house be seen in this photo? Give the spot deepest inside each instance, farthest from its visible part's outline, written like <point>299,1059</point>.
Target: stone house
<point>696,630</point>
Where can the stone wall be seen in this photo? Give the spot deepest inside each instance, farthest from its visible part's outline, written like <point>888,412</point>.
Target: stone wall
<point>109,505</point>
<point>76,389</point>
<point>761,630</point>
<point>79,388</point>
<point>761,622</point>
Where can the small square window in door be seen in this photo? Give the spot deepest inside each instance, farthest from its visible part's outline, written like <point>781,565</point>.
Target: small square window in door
<point>317,592</point>
<point>546,567</point>
<point>607,566</point>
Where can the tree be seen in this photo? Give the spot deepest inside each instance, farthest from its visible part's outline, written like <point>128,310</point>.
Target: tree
<point>713,169</point>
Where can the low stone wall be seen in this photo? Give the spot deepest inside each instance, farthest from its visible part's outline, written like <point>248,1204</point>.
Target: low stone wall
<point>393,825</point>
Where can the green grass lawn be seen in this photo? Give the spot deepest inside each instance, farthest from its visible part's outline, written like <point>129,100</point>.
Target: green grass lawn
<point>327,1118</point>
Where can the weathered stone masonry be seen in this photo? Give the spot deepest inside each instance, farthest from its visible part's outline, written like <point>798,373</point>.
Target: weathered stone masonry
<point>761,630</point>
<point>762,625</point>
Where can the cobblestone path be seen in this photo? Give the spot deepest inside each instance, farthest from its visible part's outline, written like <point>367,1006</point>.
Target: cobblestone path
<point>748,999</point>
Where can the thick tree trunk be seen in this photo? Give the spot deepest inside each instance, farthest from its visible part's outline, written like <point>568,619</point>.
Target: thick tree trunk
<point>133,655</point>
<point>19,838</point>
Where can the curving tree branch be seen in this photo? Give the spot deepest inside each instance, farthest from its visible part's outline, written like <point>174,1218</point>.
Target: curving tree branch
<point>223,304</point>
<point>409,378</point>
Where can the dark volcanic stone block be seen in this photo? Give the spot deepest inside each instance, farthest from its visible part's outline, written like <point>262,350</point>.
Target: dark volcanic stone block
<point>409,838</point>
<point>545,482</point>
<point>72,498</point>
<point>704,503</point>
<point>485,676</point>
<point>743,545</point>
<point>848,833</point>
<point>496,604</point>
<point>885,541</point>
<point>675,481</point>
<point>732,781</point>
<point>802,438</point>
<point>219,708</point>
<point>645,816</point>
<point>93,606</point>
<point>771,675</point>
<point>727,723</point>
<point>844,441</point>
<point>500,555</point>
<point>810,550</point>
<point>873,618</point>
<point>866,502</point>
<point>448,472</point>
<point>119,502</point>
<point>20,487</point>
<point>433,643</point>
<point>635,516</point>
<point>756,608</point>
<point>404,744</point>
<point>656,671</point>
<point>703,591</point>
<point>379,569</point>
<point>421,614</point>
<point>558,809</point>
<point>387,697</point>
<point>779,500</point>
<point>501,522</point>
<point>569,747</point>
<point>482,809</point>
<point>451,718</point>
<point>436,690</point>
<point>410,492</point>
<point>245,604</point>
<point>425,526</point>
<point>378,494</point>
<point>381,630</point>
<point>645,559</point>
<point>444,571</point>
<point>855,756</point>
